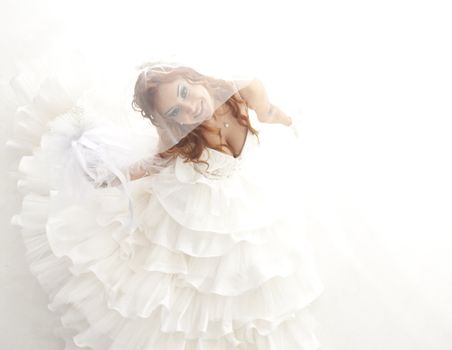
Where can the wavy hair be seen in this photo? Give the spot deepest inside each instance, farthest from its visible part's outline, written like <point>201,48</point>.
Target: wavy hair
<point>191,146</point>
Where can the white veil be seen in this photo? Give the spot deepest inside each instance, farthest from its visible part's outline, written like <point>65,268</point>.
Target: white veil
<point>373,82</point>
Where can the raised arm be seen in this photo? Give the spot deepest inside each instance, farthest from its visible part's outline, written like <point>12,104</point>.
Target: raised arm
<point>255,95</point>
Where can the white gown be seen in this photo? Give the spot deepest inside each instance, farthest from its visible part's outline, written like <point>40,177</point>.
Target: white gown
<point>217,260</point>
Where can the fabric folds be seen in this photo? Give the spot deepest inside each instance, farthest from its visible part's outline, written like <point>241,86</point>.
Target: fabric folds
<point>216,260</point>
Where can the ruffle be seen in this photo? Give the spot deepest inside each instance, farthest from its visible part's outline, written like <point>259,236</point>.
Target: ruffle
<point>232,204</point>
<point>108,330</point>
<point>159,297</point>
<point>191,298</point>
<point>161,229</point>
<point>209,266</point>
<point>104,246</point>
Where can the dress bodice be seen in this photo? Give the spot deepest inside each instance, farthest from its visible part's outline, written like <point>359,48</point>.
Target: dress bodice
<point>220,164</point>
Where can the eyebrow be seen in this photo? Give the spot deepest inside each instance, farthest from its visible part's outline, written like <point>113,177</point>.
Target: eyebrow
<point>178,92</point>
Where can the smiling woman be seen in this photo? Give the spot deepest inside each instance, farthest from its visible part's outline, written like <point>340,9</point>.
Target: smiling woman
<point>191,111</point>
<point>183,102</point>
<point>202,254</point>
<point>196,112</point>
<point>369,81</point>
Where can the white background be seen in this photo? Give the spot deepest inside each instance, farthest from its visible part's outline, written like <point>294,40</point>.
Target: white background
<point>370,83</point>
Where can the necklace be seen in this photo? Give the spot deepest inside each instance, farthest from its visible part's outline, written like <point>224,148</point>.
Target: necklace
<point>225,124</point>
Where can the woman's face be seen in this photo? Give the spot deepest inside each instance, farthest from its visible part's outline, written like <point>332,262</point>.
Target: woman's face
<point>184,102</point>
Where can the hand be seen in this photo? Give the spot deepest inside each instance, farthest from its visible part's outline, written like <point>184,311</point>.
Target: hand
<point>286,120</point>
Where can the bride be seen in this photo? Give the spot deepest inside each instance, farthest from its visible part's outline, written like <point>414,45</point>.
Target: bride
<point>182,239</point>
<point>178,97</point>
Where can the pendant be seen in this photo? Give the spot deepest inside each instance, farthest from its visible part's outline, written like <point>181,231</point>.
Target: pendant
<point>226,125</point>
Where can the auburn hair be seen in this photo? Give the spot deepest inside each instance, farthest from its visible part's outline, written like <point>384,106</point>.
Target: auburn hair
<point>191,146</point>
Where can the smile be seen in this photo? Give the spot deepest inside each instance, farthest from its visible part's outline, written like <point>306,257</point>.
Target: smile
<point>201,109</point>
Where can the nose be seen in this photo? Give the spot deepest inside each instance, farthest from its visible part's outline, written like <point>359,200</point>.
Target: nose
<point>191,107</point>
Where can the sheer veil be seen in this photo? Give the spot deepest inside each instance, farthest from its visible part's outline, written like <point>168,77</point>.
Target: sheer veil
<point>372,153</point>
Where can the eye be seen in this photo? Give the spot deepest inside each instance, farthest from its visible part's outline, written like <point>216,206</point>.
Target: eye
<point>173,114</point>
<point>184,92</point>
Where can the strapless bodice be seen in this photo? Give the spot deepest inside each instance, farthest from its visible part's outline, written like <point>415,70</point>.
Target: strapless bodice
<point>219,164</point>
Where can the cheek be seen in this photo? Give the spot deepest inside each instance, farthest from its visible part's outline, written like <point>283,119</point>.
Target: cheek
<point>206,96</point>
<point>183,117</point>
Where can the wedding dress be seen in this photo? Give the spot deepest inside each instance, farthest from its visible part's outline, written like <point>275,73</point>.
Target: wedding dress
<point>217,257</point>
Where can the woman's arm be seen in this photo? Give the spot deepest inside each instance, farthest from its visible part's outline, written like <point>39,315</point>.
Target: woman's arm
<point>255,95</point>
